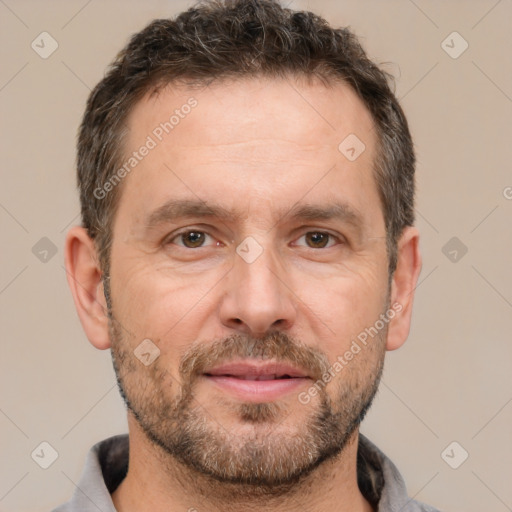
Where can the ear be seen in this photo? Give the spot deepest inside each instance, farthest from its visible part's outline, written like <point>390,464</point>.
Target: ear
<point>84,278</point>
<point>403,286</point>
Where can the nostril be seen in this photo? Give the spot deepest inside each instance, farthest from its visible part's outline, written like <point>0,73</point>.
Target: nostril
<point>279,323</point>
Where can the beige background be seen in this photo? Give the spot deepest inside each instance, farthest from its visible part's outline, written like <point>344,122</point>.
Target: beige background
<point>450,382</point>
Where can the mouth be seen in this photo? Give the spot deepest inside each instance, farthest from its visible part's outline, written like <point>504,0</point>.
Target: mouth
<point>253,370</point>
<point>253,377</point>
<point>257,381</point>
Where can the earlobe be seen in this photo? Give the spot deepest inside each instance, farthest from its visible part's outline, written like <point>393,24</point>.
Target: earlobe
<point>403,285</point>
<point>85,281</point>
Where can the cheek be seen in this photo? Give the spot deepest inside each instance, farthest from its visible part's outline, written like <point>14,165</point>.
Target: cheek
<point>151,304</point>
<point>343,307</point>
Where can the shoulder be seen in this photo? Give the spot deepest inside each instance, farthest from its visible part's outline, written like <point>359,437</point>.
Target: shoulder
<point>381,482</point>
<point>105,467</point>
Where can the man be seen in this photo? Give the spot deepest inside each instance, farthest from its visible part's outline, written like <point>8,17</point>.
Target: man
<point>248,254</point>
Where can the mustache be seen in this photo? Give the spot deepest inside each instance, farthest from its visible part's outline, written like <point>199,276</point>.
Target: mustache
<point>276,346</point>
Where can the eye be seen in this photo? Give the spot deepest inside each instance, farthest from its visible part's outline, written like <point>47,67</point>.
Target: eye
<point>317,240</point>
<point>192,239</point>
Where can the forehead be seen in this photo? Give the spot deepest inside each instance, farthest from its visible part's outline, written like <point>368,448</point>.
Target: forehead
<point>269,138</point>
<point>229,110</point>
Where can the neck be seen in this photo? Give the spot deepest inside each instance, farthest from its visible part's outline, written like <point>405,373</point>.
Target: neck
<point>157,482</point>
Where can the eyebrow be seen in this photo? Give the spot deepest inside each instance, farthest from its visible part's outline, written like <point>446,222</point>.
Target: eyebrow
<point>182,208</point>
<point>336,211</point>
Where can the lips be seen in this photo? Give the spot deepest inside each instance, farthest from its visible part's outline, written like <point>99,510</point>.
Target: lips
<point>254,371</point>
<point>252,381</point>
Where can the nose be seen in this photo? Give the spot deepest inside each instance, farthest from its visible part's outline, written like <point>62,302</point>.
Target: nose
<point>257,298</point>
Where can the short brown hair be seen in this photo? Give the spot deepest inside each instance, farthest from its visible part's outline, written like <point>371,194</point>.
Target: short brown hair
<point>237,38</point>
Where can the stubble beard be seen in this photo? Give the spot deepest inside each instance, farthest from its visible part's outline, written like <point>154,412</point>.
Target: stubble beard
<point>271,456</point>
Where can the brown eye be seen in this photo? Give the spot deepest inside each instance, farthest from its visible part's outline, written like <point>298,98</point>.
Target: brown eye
<point>317,240</point>
<point>191,239</point>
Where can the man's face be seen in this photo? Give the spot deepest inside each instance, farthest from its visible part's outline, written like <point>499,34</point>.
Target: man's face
<point>247,246</point>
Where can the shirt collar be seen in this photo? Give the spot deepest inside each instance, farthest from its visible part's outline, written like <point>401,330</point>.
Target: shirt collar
<point>107,464</point>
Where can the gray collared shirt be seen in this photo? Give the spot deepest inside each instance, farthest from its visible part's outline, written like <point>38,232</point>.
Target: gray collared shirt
<point>107,464</point>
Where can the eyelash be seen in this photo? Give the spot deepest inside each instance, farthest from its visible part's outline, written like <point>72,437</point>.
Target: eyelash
<point>181,234</point>
<point>332,238</point>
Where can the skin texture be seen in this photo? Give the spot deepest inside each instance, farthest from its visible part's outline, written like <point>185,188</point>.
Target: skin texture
<point>261,150</point>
